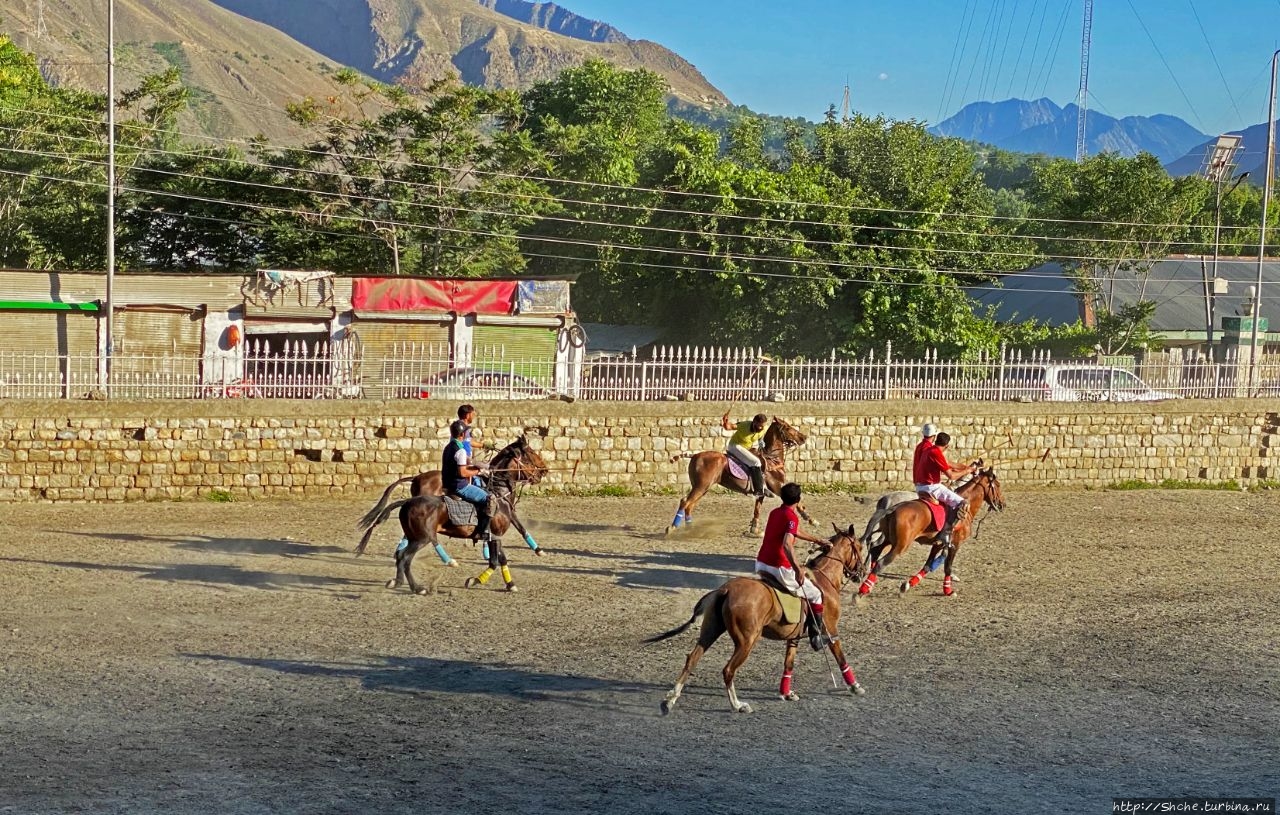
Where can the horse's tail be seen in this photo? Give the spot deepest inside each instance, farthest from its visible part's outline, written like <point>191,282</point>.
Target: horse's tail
<point>370,518</point>
<point>382,515</point>
<point>873,525</point>
<point>698,610</point>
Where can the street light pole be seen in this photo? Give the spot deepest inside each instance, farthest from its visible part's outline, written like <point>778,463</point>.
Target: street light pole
<point>111,190</point>
<point>1262,240</point>
<point>1209,291</point>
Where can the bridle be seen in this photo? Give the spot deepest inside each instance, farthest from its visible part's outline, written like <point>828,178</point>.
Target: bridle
<point>850,572</point>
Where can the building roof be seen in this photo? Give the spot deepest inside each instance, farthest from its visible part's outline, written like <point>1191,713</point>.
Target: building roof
<point>603,338</point>
<point>1175,284</point>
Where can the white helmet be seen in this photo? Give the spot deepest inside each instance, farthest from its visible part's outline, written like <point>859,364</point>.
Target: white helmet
<point>928,430</point>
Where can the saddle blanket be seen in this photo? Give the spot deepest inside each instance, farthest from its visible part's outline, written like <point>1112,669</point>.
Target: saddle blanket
<point>939,514</point>
<point>461,513</point>
<point>737,470</point>
<point>792,610</point>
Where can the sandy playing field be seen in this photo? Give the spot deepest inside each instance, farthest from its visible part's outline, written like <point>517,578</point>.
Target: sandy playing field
<point>236,658</point>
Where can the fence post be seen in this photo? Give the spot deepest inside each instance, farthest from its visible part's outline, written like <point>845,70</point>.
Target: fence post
<point>888,363</point>
<point>1000,374</point>
<point>644,377</point>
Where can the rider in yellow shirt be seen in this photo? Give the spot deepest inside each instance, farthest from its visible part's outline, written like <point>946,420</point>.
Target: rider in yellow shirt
<point>746,438</point>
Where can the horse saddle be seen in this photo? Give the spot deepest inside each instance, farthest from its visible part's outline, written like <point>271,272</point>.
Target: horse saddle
<point>792,609</point>
<point>461,513</point>
<point>938,511</point>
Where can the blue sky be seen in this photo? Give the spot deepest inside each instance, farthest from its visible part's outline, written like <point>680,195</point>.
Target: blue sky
<point>792,57</point>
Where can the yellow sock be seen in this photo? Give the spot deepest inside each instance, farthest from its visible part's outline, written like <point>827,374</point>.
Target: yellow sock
<point>506,574</point>
<point>484,576</point>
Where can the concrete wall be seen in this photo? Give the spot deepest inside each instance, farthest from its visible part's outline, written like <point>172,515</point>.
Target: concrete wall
<point>68,450</point>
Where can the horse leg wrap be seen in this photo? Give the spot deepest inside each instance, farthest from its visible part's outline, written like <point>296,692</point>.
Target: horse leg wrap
<point>947,590</point>
<point>443,555</point>
<point>402,545</point>
<point>868,584</point>
<point>917,577</point>
<point>849,678</point>
<point>679,519</point>
<point>484,552</point>
<point>484,576</point>
<point>785,687</point>
<point>530,542</point>
<point>506,575</point>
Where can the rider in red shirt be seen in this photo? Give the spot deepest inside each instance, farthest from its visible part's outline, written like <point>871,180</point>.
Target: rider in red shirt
<point>929,467</point>
<point>777,558</point>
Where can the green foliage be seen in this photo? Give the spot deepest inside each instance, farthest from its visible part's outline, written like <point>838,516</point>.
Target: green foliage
<point>220,497</point>
<point>1175,484</point>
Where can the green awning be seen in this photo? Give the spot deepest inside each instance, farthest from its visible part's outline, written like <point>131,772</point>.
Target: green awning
<point>35,305</point>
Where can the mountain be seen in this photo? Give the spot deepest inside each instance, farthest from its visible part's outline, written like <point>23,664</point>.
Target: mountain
<point>244,59</point>
<point>1250,158</point>
<point>1041,126</point>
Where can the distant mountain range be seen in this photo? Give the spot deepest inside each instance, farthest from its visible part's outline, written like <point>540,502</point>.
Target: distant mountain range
<point>245,59</point>
<point>1250,157</point>
<point>1040,126</point>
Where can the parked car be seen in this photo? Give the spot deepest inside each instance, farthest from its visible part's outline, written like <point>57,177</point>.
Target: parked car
<point>480,383</point>
<point>1077,382</point>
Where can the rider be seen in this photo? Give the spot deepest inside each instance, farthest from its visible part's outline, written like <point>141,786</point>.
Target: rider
<point>747,435</point>
<point>929,467</point>
<point>777,558</point>
<point>456,472</point>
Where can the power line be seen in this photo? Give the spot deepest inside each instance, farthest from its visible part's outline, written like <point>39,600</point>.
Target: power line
<point>678,193</point>
<point>639,227</point>
<point>1051,55</point>
<point>948,84</point>
<point>1160,54</point>
<point>680,252</point>
<point>1214,55</point>
<point>1022,45</point>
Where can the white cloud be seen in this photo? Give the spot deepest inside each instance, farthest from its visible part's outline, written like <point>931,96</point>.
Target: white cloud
<point>883,77</point>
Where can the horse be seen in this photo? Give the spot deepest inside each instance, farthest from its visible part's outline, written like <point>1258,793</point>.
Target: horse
<point>709,468</point>
<point>912,522</point>
<point>507,463</point>
<point>747,609</point>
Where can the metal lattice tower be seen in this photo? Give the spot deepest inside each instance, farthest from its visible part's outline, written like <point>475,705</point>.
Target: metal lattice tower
<point>1082,101</point>
<point>845,106</point>
<point>41,31</point>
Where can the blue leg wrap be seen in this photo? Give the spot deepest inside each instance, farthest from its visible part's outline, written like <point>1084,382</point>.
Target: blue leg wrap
<point>404,544</point>
<point>532,544</point>
<point>679,519</point>
<point>484,551</point>
<point>444,556</point>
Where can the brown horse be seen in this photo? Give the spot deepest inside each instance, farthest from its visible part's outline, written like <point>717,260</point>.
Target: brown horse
<point>506,464</point>
<point>709,468</point>
<point>747,609</point>
<point>912,522</point>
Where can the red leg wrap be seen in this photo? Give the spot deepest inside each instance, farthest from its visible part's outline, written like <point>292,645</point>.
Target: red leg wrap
<point>785,687</point>
<point>849,678</point>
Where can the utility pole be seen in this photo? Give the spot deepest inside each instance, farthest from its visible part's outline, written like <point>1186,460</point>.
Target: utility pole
<point>1270,170</point>
<point>1219,165</point>
<point>1082,98</point>
<point>845,107</point>
<point>111,192</point>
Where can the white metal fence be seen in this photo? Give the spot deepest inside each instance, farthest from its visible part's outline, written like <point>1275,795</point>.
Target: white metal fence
<point>346,370</point>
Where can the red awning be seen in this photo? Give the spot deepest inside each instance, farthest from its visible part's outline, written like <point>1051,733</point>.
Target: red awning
<point>419,294</point>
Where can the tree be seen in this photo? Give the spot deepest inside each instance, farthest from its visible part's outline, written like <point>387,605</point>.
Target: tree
<point>1108,216</point>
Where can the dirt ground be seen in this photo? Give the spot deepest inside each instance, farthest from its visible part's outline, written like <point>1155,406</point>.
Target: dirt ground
<point>236,658</point>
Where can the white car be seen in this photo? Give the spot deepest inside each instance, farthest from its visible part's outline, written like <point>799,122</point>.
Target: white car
<point>479,383</point>
<point>1078,382</point>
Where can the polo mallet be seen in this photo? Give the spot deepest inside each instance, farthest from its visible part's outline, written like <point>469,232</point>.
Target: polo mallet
<point>742,392</point>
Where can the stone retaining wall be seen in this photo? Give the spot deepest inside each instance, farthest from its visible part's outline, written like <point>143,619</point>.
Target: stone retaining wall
<point>60,450</point>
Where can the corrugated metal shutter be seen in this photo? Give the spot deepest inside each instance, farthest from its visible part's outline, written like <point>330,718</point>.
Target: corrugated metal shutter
<point>399,354</point>
<point>532,349</point>
<point>152,332</point>
<point>49,332</point>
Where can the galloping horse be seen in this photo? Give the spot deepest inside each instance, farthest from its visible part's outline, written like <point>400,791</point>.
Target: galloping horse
<point>747,609</point>
<point>913,521</point>
<point>709,468</point>
<point>517,463</point>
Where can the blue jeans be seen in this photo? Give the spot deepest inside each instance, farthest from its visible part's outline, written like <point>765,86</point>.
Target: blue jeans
<point>473,494</point>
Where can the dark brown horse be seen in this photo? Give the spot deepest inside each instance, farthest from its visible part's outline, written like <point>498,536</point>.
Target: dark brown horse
<point>747,609</point>
<point>506,464</point>
<point>709,468</point>
<point>912,522</point>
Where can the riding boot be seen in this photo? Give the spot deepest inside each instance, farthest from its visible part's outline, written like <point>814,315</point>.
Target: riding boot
<point>482,526</point>
<point>953,514</point>
<point>817,627</point>
<point>757,482</point>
